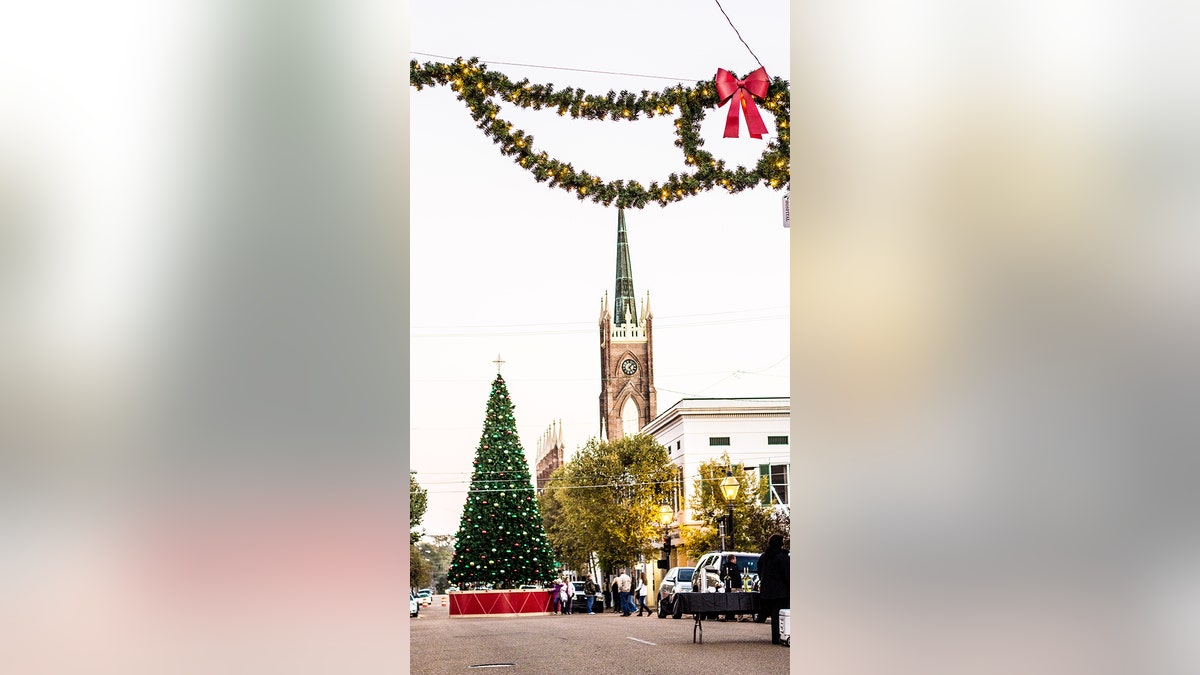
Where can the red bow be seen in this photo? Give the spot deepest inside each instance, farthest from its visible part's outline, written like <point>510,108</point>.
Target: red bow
<point>744,91</point>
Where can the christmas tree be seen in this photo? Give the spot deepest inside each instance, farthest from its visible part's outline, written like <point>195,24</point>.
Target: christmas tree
<point>501,540</point>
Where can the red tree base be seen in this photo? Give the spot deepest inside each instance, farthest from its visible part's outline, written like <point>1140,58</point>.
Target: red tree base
<point>500,603</point>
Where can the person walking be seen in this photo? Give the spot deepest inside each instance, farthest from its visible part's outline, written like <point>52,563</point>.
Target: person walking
<point>565,592</point>
<point>589,590</point>
<point>556,595</point>
<point>623,585</point>
<point>774,574</point>
<point>642,591</point>
<point>616,595</point>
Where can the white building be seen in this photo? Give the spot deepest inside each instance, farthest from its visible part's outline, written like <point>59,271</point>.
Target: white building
<point>753,431</point>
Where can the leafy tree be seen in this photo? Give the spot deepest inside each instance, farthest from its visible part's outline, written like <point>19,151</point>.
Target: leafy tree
<point>606,499</point>
<point>418,569</point>
<point>439,551</point>
<point>568,537</point>
<point>418,502</point>
<point>501,539</point>
<point>778,521</point>
<point>752,521</point>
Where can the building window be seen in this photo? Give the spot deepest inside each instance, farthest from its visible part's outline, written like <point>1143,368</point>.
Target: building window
<point>718,440</point>
<point>677,492</point>
<point>777,480</point>
<point>630,424</point>
<point>777,440</point>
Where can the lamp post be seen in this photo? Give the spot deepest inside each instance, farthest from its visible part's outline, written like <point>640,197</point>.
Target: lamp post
<point>729,489</point>
<point>665,515</point>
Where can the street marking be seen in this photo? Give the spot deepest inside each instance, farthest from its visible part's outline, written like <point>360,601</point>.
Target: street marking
<point>493,665</point>
<point>642,641</point>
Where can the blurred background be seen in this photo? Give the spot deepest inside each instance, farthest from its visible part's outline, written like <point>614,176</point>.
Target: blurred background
<point>995,288</point>
<point>994,337</point>
<point>202,373</point>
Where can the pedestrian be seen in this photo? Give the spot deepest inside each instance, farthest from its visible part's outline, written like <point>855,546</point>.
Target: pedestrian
<point>774,576</point>
<point>616,595</point>
<point>733,580</point>
<point>623,585</point>
<point>565,592</point>
<point>734,574</point>
<point>589,590</point>
<point>556,595</point>
<point>642,591</point>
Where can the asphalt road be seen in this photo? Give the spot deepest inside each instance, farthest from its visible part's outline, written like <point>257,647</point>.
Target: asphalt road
<point>596,644</point>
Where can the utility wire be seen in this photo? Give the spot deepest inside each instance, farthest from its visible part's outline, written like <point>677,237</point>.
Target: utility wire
<point>577,331</point>
<point>577,70</point>
<point>592,324</point>
<point>739,34</point>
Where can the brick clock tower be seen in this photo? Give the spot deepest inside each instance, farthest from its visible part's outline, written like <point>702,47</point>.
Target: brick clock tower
<point>627,398</point>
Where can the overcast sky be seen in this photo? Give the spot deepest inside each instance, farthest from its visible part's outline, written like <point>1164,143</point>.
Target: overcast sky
<point>504,265</point>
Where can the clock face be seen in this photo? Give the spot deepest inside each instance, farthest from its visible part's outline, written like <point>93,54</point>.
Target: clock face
<point>629,366</point>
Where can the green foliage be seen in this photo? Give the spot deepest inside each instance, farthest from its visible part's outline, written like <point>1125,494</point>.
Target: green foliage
<point>606,499</point>
<point>752,522</point>
<point>776,522</point>
<point>567,535</point>
<point>418,502</point>
<point>439,551</point>
<point>480,88</point>
<point>418,569</point>
<point>500,537</point>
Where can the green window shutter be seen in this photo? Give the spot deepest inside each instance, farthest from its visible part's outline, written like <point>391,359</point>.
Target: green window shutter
<point>765,470</point>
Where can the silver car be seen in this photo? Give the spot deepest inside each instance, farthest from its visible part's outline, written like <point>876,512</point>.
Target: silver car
<point>676,580</point>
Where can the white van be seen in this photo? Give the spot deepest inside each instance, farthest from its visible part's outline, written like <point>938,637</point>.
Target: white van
<point>747,567</point>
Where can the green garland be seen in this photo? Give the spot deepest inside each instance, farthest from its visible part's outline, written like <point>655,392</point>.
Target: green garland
<point>478,87</point>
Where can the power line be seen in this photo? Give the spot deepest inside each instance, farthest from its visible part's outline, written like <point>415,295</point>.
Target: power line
<point>766,454</point>
<point>577,331</point>
<point>529,486</point>
<point>577,70</point>
<point>773,308</point>
<point>739,34</point>
<point>596,378</point>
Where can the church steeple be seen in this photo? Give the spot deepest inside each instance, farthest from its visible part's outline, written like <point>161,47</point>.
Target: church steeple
<point>628,400</point>
<point>624,305</point>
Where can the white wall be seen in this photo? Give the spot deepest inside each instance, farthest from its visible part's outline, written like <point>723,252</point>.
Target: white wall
<point>692,426</point>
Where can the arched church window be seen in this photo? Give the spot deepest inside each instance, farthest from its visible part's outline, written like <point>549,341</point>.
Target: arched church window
<point>629,418</point>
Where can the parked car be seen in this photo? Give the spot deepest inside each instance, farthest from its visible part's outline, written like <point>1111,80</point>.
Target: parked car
<point>579,600</point>
<point>676,580</point>
<point>425,596</point>
<point>747,566</point>
<point>452,589</point>
<point>747,570</point>
<point>414,605</point>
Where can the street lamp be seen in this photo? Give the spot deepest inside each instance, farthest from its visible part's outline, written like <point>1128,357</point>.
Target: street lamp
<point>729,489</point>
<point>665,515</point>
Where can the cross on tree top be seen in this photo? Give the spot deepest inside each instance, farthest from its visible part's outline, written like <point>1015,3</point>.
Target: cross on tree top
<point>499,361</point>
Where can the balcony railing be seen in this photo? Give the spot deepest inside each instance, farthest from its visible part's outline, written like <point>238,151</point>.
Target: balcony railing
<point>629,331</point>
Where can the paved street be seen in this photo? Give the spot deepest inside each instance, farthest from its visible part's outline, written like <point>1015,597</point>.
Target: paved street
<point>597,644</point>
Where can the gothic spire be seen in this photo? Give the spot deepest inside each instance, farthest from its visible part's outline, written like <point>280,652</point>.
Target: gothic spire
<point>624,307</point>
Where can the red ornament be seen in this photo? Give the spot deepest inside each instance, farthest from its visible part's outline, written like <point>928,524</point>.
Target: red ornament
<point>742,93</point>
